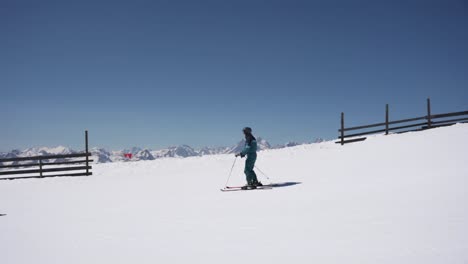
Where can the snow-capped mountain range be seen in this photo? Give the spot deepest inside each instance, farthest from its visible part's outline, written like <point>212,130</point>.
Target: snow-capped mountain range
<point>101,155</point>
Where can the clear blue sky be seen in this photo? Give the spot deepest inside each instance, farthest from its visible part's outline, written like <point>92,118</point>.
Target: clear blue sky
<point>160,73</point>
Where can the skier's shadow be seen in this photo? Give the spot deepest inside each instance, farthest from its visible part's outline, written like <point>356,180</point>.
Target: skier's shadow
<point>284,184</point>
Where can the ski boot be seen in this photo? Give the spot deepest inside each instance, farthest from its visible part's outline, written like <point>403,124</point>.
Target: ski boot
<point>249,187</point>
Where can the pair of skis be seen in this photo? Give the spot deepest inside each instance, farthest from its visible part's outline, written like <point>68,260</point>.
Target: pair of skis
<point>241,188</point>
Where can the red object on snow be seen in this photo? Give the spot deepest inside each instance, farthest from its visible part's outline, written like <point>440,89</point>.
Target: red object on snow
<point>128,155</point>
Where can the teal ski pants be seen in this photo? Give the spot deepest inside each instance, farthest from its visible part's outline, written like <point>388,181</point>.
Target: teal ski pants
<point>249,169</point>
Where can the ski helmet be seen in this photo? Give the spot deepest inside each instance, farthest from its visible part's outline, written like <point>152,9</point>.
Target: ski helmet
<point>247,130</point>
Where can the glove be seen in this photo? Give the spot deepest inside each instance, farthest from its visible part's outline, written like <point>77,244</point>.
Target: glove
<point>237,155</point>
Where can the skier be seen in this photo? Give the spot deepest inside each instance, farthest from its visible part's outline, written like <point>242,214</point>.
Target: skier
<point>250,150</point>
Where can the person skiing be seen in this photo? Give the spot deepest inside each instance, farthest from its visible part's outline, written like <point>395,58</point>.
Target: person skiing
<point>250,150</point>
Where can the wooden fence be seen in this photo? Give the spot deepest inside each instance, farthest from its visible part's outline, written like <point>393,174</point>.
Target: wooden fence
<point>22,165</point>
<point>404,125</point>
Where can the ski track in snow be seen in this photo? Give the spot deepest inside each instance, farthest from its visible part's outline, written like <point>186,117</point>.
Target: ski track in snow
<point>390,199</point>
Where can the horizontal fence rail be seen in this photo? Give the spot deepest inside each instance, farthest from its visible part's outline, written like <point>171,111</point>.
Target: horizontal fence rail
<point>430,121</point>
<point>383,124</point>
<point>46,157</point>
<point>66,165</point>
<point>43,164</point>
<point>44,170</point>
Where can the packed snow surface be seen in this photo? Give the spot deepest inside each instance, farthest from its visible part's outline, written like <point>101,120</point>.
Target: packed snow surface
<point>390,199</point>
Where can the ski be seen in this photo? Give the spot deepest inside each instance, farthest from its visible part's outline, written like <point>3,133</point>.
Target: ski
<point>265,185</point>
<point>233,189</point>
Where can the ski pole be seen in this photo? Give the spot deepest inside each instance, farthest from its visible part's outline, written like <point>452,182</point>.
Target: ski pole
<point>230,173</point>
<point>268,178</point>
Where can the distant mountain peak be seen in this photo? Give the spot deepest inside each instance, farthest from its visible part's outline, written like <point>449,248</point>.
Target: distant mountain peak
<point>133,150</point>
<point>144,154</point>
<point>101,155</point>
<point>41,151</point>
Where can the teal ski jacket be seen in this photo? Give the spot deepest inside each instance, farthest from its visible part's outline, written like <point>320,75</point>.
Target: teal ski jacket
<point>250,148</point>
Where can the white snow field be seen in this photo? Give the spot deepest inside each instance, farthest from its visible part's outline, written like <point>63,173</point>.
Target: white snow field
<point>390,199</point>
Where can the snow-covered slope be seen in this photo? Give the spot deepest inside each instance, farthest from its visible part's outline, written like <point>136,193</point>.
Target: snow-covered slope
<point>390,199</point>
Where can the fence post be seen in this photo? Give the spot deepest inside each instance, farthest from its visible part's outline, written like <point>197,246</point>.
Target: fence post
<point>40,168</point>
<point>386,119</point>
<point>342,128</point>
<point>87,157</point>
<point>428,113</point>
